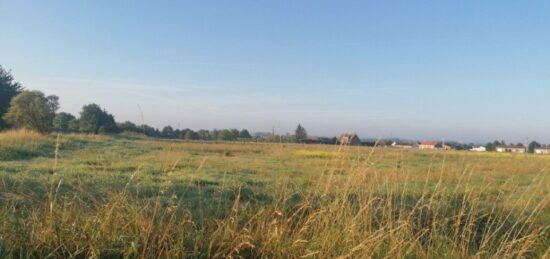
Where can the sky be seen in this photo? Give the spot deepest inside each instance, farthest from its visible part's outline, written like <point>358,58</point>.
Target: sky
<point>470,71</point>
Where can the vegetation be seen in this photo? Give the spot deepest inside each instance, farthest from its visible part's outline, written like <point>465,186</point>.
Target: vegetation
<point>9,88</point>
<point>95,120</point>
<point>300,133</point>
<point>128,195</point>
<point>244,134</point>
<point>62,122</point>
<point>32,110</point>
<point>114,196</point>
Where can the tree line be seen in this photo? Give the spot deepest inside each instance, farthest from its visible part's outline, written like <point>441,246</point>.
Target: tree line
<point>33,110</point>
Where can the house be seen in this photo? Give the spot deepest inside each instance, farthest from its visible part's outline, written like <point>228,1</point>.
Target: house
<point>403,144</point>
<point>542,151</point>
<point>447,147</point>
<point>349,139</point>
<point>479,149</point>
<point>511,149</point>
<point>428,145</point>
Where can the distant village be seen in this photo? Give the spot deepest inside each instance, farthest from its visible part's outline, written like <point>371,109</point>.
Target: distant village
<point>354,140</point>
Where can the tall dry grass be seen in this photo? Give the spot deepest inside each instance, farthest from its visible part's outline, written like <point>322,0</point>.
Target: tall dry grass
<point>16,144</point>
<point>22,137</point>
<point>349,211</point>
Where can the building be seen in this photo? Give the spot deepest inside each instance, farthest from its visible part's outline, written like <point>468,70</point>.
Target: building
<point>428,145</point>
<point>542,151</point>
<point>349,139</point>
<point>403,144</point>
<point>511,149</point>
<point>479,149</point>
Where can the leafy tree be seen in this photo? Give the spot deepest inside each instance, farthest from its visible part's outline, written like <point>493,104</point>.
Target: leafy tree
<point>214,134</point>
<point>532,146</point>
<point>150,131</point>
<point>74,125</point>
<point>244,134</point>
<point>94,120</point>
<point>61,121</point>
<point>108,125</point>
<point>168,132</point>
<point>226,134</point>
<point>8,90</point>
<point>32,110</point>
<point>129,126</point>
<point>234,134</point>
<point>191,135</point>
<point>178,134</point>
<point>203,134</point>
<point>53,102</point>
<point>300,134</point>
<point>491,147</point>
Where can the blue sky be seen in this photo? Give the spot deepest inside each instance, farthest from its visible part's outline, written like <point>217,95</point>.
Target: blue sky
<point>462,70</point>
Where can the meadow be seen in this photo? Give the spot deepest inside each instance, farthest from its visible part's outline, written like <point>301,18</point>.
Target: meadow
<point>122,196</point>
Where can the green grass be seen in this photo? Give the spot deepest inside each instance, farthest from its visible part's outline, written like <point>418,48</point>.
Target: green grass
<point>123,196</point>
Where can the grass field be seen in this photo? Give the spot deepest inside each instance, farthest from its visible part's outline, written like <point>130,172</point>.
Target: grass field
<point>77,196</point>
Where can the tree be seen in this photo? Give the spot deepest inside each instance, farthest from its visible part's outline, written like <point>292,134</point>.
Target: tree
<point>32,110</point>
<point>8,90</point>
<point>214,134</point>
<point>532,146</point>
<point>61,121</point>
<point>204,134</point>
<point>300,133</point>
<point>129,126</point>
<point>225,134</point>
<point>234,134</point>
<point>491,147</point>
<point>108,125</point>
<point>94,120</point>
<point>191,135</point>
<point>150,131</point>
<point>178,134</point>
<point>74,125</point>
<point>244,134</point>
<point>168,132</point>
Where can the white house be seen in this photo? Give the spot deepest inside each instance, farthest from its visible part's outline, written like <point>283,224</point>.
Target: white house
<point>542,151</point>
<point>479,149</point>
<point>511,149</point>
<point>405,145</point>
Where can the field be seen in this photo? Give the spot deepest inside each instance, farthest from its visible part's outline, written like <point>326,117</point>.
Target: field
<point>75,196</point>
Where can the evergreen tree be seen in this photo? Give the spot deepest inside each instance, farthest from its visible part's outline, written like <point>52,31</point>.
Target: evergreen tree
<point>300,134</point>
<point>8,90</point>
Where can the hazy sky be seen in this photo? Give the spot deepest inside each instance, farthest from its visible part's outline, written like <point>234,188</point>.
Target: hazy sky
<point>462,70</point>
